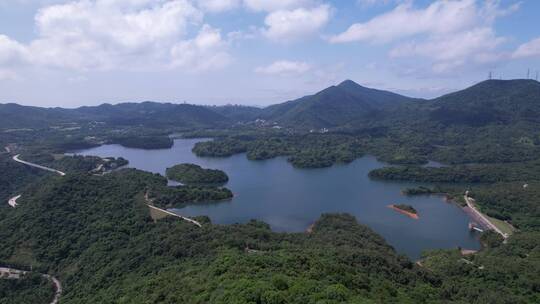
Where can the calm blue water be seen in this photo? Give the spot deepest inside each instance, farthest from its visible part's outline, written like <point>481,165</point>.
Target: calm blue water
<point>291,199</point>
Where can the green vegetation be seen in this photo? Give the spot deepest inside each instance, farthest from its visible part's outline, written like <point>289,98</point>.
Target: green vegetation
<point>95,233</point>
<point>222,148</point>
<point>487,173</point>
<point>502,225</point>
<point>149,114</point>
<point>335,106</point>
<point>304,151</point>
<point>145,142</point>
<point>194,174</point>
<point>169,197</point>
<point>511,202</point>
<point>32,288</point>
<point>421,190</point>
<point>76,163</point>
<point>237,113</point>
<point>14,178</point>
<point>104,247</point>
<point>406,208</point>
<point>492,122</point>
<point>501,269</point>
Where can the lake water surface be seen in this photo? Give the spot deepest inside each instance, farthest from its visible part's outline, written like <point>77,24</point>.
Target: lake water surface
<point>291,199</point>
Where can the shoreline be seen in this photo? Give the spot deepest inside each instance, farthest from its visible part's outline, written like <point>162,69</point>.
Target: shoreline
<point>472,213</point>
<point>407,213</point>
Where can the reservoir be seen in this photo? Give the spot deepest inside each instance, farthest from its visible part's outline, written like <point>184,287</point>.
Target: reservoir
<point>291,199</point>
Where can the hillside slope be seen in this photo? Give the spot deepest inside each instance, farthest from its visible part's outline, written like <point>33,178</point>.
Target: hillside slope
<point>335,106</point>
<point>95,234</point>
<point>490,102</point>
<point>148,114</point>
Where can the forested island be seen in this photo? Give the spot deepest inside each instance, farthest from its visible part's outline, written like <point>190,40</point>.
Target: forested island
<point>303,151</point>
<point>144,142</point>
<point>194,174</point>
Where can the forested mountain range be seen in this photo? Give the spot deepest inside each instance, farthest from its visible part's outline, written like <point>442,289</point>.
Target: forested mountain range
<point>347,105</point>
<point>96,234</point>
<point>149,114</point>
<point>490,102</point>
<point>335,106</point>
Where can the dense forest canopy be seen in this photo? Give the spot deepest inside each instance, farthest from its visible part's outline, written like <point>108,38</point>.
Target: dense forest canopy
<point>93,230</point>
<point>194,174</point>
<point>104,247</point>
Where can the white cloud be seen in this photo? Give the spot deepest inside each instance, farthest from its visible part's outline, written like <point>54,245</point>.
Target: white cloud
<point>454,50</point>
<point>11,52</point>
<point>284,68</point>
<point>288,25</point>
<point>122,34</point>
<point>218,5</point>
<point>274,5</point>
<point>529,49</point>
<point>204,52</point>
<point>404,21</point>
<point>449,33</point>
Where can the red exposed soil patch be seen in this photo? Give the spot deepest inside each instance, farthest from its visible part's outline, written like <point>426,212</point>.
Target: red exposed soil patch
<point>407,213</point>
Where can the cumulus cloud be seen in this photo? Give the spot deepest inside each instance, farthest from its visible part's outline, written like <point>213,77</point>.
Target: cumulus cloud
<point>440,17</point>
<point>218,5</point>
<point>284,67</point>
<point>454,50</point>
<point>204,52</point>
<point>529,49</point>
<point>120,34</point>
<point>288,25</point>
<point>11,52</point>
<point>450,33</point>
<point>274,5</point>
<point>12,55</point>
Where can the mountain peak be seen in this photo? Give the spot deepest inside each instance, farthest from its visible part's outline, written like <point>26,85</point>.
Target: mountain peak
<point>348,83</point>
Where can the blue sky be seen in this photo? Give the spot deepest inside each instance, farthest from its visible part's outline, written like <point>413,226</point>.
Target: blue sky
<point>256,52</point>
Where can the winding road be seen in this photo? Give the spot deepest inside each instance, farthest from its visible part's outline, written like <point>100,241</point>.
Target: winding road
<point>17,159</point>
<point>16,274</point>
<point>187,219</point>
<point>485,221</point>
<point>149,203</point>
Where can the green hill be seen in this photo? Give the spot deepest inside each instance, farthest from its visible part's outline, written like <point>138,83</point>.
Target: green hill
<point>153,114</point>
<point>490,102</point>
<point>333,107</point>
<point>148,114</point>
<point>237,113</point>
<point>16,116</point>
<point>96,235</point>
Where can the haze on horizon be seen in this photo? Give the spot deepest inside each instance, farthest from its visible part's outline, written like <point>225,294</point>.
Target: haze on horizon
<point>256,52</point>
